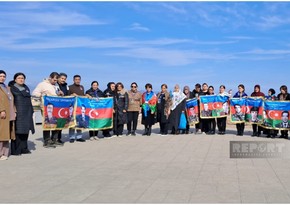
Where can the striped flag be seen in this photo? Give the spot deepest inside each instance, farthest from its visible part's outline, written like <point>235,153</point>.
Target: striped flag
<point>192,111</point>
<point>94,114</point>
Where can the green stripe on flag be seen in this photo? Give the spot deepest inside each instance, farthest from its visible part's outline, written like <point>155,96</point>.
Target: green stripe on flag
<point>99,124</point>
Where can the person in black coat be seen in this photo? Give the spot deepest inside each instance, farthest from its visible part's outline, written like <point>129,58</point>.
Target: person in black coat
<point>283,96</point>
<point>24,120</point>
<point>94,92</point>
<point>121,103</point>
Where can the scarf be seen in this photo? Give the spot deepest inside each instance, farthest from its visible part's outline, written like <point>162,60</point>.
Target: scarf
<point>177,98</point>
<point>149,102</point>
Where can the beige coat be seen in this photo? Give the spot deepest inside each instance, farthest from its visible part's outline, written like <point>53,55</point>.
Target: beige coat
<point>44,88</point>
<point>5,133</point>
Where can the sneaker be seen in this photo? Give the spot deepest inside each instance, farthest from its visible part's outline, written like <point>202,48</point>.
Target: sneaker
<point>81,140</point>
<point>128,133</point>
<point>96,138</point>
<point>58,144</point>
<point>163,134</point>
<point>133,133</point>
<point>72,140</point>
<point>2,158</point>
<point>60,141</point>
<point>113,136</point>
<point>120,136</point>
<point>198,132</point>
<point>92,138</point>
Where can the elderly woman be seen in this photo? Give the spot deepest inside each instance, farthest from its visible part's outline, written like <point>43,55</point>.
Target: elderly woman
<point>7,117</point>
<point>176,108</point>
<point>24,120</point>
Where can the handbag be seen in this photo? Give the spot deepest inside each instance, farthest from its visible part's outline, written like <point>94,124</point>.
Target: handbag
<point>182,122</point>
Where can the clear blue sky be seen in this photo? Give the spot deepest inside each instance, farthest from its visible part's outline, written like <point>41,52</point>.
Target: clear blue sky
<point>158,42</point>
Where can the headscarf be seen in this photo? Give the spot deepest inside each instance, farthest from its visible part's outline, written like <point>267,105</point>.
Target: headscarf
<point>186,88</point>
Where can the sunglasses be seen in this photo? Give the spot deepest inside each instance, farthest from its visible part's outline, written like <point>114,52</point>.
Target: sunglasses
<point>133,86</point>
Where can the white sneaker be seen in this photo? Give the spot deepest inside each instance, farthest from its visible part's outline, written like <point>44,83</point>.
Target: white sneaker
<point>3,157</point>
<point>113,136</point>
<point>96,138</point>
<point>120,136</point>
<point>92,138</point>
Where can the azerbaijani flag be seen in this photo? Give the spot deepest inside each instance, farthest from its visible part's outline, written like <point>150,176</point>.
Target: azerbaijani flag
<point>94,114</point>
<point>58,112</point>
<point>216,104</point>
<point>276,115</point>
<point>237,110</point>
<point>192,111</point>
<point>254,110</point>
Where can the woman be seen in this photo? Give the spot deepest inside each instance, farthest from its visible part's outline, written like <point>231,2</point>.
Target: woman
<point>211,122</point>
<point>149,101</point>
<point>195,93</point>
<point>240,94</point>
<point>188,95</point>
<point>222,121</point>
<point>24,119</point>
<point>203,123</point>
<point>94,92</point>
<point>257,93</point>
<point>7,117</point>
<point>271,96</point>
<point>176,108</point>
<point>120,109</point>
<point>283,96</point>
<point>162,109</point>
<point>133,109</point>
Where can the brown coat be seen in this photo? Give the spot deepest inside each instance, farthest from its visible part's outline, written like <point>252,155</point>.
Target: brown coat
<point>5,133</point>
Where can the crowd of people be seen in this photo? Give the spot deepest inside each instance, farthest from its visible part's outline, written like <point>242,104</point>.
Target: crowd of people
<point>165,108</point>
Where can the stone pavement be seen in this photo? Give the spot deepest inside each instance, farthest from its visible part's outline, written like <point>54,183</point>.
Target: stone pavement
<point>144,169</point>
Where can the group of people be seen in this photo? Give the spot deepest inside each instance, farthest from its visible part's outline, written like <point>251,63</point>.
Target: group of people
<point>165,108</point>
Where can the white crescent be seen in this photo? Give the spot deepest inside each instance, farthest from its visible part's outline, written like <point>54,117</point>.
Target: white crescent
<point>247,109</point>
<point>59,113</point>
<point>90,113</point>
<point>269,114</point>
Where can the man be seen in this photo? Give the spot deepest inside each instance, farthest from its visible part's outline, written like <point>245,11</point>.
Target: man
<point>284,124</point>
<point>76,89</point>
<point>238,116</point>
<point>82,119</point>
<point>192,115</point>
<point>206,112</point>
<point>50,119</point>
<point>49,87</point>
<point>70,115</point>
<point>254,114</point>
<point>63,89</point>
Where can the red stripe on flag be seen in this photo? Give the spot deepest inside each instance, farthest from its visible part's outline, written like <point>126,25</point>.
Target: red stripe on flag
<point>96,113</point>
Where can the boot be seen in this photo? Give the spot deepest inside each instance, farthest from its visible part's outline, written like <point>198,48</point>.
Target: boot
<point>133,133</point>
<point>149,131</point>
<point>145,131</point>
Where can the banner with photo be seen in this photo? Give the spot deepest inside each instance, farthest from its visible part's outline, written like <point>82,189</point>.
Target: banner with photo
<point>213,106</point>
<point>58,112</point>
<point>192,111</point>
<point>254,110</point>
<point>238,110</point>
<point>94,113</point>
<point>276,115</point>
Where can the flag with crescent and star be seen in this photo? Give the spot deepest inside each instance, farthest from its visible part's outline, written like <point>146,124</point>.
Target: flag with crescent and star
<point>58,112</point>
<point>213,106</point>
<point>237,110</point>
<point>192,111</point>
<point>94,113</point>
<point>254,110</point>
<point>276,115</point>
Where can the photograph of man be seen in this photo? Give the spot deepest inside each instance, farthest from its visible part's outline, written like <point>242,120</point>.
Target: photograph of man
<point>206,112</point>
<point>238,116</point>
<point>83,119</point>
<point>192,115</point>
<point>254,114</point>
<point>284,118</point>
<point>50,119</point>
<point>70,117</point>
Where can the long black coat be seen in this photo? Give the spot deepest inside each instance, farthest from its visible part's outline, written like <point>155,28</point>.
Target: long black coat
<point>121,103</point>
<point>22,101</point>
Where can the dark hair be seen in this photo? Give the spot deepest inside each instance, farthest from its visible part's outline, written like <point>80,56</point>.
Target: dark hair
<point>222,86</point>
<point>162,85</point>
<point>204,84</point>
<point>285,111</point>
<point>284,87</point>
<point>255,109</point>
<point>197,85</point>
<point>54,74</point>
<point>18,74</point>
<point>83,105</point>
<point>242,86</point>
<point>148,85</point>
<point>2,71</point>
<point>119,84</point>
<point>257,86</point>
<point>134,83</point>
<point>94,82</point>
<point>77,76</point>
<point>272,91</point>
<point>237,105</point>
<point>63,74</point>
<point>49,104</point>
<point>211,87</point>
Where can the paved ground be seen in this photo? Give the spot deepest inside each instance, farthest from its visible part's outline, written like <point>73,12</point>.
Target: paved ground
<point>144,169</point>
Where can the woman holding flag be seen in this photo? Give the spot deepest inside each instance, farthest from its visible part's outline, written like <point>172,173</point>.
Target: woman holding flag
<point>149,101</point>
<point>222,121</point>
<point>284,96</point>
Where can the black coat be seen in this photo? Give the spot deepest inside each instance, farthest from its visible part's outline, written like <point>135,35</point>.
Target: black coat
<point>64,88</point>
<point>121,103</point>
<point>22,101</point>
<point>95,93</point>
